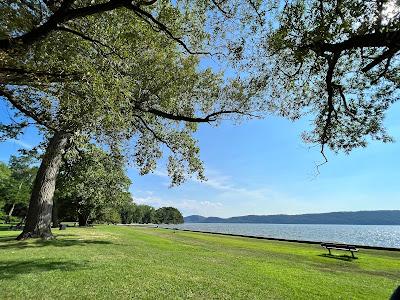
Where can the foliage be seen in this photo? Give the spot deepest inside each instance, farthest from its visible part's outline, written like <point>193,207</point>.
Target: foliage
<point>132,213</point>
<point>92,186</point>
<point>119,74</point>
<point>108,262</point>
<point>148,214</point>
<point>109,215</point>
<point>16,181</point>
<point>168,215</point>
<point>338,61</point>
<point>128,213</point>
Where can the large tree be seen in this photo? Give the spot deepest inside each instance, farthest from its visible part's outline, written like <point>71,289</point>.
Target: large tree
<point>336,60</point>
<point>116,71</point>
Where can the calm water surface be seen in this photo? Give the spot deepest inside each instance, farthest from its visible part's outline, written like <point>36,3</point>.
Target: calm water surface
<point>369,235</point>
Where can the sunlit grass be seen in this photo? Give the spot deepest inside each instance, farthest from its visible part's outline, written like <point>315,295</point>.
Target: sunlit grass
<point>111,262</point>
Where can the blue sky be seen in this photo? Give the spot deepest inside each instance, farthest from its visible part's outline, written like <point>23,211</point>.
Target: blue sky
<point>263,167</point>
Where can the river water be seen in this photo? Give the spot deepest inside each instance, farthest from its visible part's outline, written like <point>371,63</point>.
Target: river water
<point>368,235</point>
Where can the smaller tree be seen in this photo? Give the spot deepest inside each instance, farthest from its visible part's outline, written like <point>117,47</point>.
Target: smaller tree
<point>148,214</point>
<point>128,213</point>
<point>16,185</point>
<point>169,215</point>
<point>109,215</point>
<point>90,185</point>
<point>5,174</point>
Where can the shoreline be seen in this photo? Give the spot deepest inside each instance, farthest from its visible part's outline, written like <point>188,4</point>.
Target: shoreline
<point>281,239</point>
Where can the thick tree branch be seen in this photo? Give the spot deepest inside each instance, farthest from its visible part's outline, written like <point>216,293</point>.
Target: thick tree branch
<point>388,54</point>
<point>206,119</point>
<point>39,119</point>
<point>389,39</point>
<point>62,15</point>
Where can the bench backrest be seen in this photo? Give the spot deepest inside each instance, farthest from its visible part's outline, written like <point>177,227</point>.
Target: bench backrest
<point>333,245</point>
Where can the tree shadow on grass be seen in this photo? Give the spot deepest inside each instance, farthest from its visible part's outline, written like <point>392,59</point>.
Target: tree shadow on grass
<point>11,269</point>
<point>340,257</point>
<point>11,243</point>
<point>5,227</point>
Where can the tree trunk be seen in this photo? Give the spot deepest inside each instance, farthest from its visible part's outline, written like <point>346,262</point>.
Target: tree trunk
<point>11,210</point>
<point>83,220</point>
<point>54,216</point>
<point>38,220</point>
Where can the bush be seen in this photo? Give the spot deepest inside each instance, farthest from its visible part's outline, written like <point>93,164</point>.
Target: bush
<point>6,219</point>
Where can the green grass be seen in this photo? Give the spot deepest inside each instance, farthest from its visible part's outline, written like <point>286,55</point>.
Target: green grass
<point>111,262</point>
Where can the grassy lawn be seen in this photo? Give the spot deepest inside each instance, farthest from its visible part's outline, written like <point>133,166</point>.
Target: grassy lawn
<point>107,262</point>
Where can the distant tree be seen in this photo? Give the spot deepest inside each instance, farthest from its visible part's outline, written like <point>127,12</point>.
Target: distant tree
<point>129,213</point>
<point>15,188</point>
<point>109,215</point>
<point>5,174</point>
<point>169,215</point>
<point>90,184</point>
<point>148,214</point>
<point>137,214</point>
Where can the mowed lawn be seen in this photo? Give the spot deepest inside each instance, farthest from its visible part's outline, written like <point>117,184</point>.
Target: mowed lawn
<point>115,262</point>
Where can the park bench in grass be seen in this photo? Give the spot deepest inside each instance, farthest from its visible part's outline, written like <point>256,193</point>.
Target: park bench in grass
<point>341,247</point>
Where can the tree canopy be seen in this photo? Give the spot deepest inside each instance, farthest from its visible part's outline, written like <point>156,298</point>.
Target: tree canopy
<point>91,186</point>
<point>169,215</point>
<point>100,70</point>
<point>339,62</point>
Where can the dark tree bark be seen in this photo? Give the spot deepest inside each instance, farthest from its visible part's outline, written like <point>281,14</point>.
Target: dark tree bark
<point>38,220</point>
<point>54,216</point>
<point>83,219</point>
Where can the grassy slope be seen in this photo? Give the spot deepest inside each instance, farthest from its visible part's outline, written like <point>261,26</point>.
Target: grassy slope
<point>120,262</point>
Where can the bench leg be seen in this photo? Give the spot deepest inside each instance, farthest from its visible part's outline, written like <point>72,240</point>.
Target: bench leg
<point>352,254</point>
<point>329,251</point>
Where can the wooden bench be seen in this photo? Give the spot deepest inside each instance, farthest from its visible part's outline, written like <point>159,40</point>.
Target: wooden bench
<point>341,247</point>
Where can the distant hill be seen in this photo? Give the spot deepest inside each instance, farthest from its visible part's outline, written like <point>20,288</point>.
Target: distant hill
<point>194,219</point>
<point>376,217</point>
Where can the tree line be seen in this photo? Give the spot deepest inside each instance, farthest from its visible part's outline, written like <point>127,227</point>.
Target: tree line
<point>91,189</point>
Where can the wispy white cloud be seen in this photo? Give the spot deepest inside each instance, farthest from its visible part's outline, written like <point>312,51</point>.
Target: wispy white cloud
<point>160,173</point>
<point>220,195</point>
<point>21,143</point>
<point>186,206</point>
<point>214,180</point>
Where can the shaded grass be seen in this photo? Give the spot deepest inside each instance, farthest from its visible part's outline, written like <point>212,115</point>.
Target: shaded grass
<point>111,262</point>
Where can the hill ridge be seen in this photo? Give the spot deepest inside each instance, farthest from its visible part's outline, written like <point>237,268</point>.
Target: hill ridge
<point>363,217</point>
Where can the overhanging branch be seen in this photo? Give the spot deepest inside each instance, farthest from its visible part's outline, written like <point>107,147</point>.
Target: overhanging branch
<point>40,119</point>
<point>389,39</point>
<point>206,119</point>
